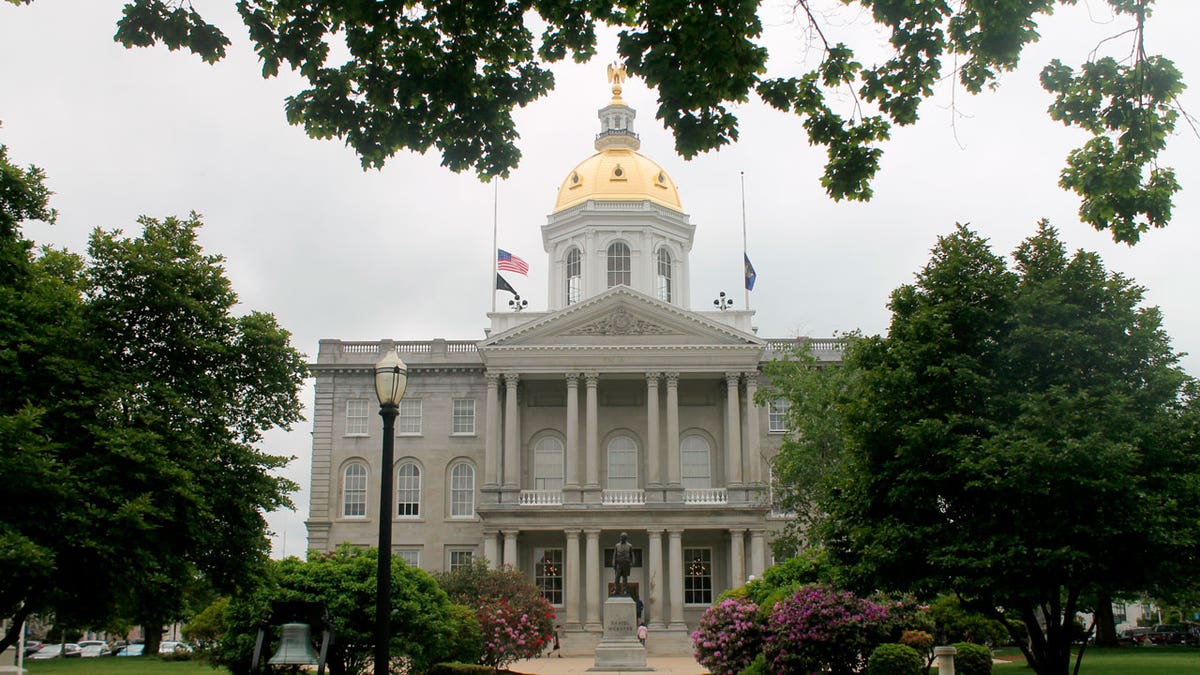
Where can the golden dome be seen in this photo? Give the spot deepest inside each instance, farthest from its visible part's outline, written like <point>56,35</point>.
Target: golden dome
<point>618,174</point>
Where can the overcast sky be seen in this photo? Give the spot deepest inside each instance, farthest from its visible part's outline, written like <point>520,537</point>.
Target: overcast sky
<point>405,252</point>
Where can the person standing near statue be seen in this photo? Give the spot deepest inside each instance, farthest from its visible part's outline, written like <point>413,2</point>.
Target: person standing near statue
<point>622,562</point>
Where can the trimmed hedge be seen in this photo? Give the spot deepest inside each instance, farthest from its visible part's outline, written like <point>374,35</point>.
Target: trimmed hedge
<point>895,659</point>
<point>972,659</point>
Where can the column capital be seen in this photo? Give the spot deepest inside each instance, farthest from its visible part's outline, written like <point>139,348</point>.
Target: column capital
<point>510,533</point>
<point>591,378</point>
<point>675,532</point>
<point>732,377</point>
<point>572,532</point>
<point>572,379</point>
<point>737,530</point>
<point>652,377</point>
<point>655,530</point>
<point>493,379</point>
<point>511,379</point>
<point>592,531</point>
<point>490,532</point>
<point>751,378</point>
<point>672,379</point>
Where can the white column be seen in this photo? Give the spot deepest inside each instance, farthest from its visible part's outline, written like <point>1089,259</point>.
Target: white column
<point>733,432</point>
<point>571,578</point>
<point>656,580</point>
<point>737,557</point>
<point>595,561</point>
<point>491,438</point>
<point>675,576</point>
<point>753,452</point>
<point>512,437</point>
<point>572,453</point>
<point>758,552</point>
<point>674,472</point>
<point>593,432</point>
<point>490,550</point>
<point>653,472</point>
<point>510,548</point>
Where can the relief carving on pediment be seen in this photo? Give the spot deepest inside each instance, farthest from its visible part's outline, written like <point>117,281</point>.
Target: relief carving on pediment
<point>621,322</point>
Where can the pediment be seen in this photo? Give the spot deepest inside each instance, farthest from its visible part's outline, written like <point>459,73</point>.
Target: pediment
<point>623,317</point>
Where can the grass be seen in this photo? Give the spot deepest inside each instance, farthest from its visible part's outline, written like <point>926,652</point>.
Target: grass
<point>1120,661</point>
<point>126,665</point>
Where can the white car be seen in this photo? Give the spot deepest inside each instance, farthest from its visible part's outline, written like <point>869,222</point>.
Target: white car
<point>54,651</point>
<point>170,646</point>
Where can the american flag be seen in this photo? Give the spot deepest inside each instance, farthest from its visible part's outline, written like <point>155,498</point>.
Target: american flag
<point>511,263</point>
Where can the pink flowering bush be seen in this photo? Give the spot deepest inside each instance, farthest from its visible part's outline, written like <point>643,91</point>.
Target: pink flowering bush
<point>516,622</point>
<point>513,633</point>
<point>729,636</point>
<point>820,629</point>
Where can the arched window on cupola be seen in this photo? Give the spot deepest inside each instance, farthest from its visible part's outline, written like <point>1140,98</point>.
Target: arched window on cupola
<point>662,282</point>
<point>619,265</point>
<point>574,276</point>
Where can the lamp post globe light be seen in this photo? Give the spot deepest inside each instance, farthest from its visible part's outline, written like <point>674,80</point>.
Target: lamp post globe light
<point>391,377</point>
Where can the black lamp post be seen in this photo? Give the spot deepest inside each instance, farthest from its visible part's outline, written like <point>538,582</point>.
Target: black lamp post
<point>391,376</point>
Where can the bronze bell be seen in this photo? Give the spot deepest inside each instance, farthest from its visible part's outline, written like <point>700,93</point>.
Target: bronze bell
<point>295,646</point>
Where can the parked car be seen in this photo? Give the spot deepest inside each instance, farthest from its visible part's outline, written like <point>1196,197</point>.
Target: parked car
<point>93,648</point>
<point>170,647</point>
<point>1174,634</point>
<point>134,649</point>
<point>68,650</point>
<point>31,647</point>
<point>1135,636</point>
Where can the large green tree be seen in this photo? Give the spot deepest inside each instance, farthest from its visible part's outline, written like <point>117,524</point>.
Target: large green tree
<point>398,74</point>
<point>134,398</point>
<point>1021,437</point>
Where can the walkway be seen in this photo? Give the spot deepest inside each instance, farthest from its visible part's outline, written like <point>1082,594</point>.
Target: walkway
<point>670,665</point>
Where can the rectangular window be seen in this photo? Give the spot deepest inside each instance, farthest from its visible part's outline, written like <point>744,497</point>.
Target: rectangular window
<point>464,416</point>
<point>549,574</point>
<point>460,559</point>
<point>410,556</point>
<point>697,576</point>
<point>356,417</point>
<point>409,421</point>
<point>777,416</point>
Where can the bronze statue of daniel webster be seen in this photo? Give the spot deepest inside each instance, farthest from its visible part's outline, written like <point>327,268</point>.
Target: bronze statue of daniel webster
<point>622,561</point>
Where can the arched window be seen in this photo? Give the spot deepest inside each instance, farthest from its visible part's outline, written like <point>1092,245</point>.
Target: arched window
<point>622,464</point>
<point>619,265</point>
<point>694,458</point>
<point>462,491</point>
<point>354,491</point>
<point>548,464</point>
<point>663,280</point>
<point>408,490</point>
<point>574,276</point>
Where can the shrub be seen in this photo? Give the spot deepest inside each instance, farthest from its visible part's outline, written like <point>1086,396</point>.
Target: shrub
<point>955,623</point>
<point>729,636</point>
<point>515,620</point>
<point>895,659</point>
<point>757,667</point>
<point>972,659</point>
<point>920,641</point>
<point>426,627</point>
<point>819,628</point>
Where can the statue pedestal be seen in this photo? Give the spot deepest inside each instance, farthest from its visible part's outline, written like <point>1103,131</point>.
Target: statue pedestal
<point>619,649</point>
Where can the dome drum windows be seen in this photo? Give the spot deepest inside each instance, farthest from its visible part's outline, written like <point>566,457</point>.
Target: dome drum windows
<point>620,265</point>
<point>664,276</point>
<point>574,276</point>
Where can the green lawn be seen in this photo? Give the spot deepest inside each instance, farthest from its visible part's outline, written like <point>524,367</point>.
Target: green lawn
<point>1124,661</point>
<point>130,665</point>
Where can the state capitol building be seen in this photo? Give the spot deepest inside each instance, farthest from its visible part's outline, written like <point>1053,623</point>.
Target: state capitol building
<point>618,409</point>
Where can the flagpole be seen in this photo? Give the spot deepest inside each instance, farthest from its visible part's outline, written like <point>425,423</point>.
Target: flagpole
<point>745,251</point>
<point>495,241</point>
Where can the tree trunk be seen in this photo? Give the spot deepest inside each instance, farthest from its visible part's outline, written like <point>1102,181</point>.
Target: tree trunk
<point>13,635</point>
<point>1106,624</point>
<point>152,632</point>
